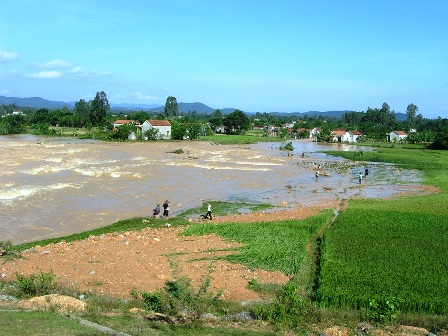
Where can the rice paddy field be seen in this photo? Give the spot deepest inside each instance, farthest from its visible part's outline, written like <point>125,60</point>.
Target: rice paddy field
<point>392,250</point>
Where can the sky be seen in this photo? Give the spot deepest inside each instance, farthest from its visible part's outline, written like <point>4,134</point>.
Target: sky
<point>254,55</point>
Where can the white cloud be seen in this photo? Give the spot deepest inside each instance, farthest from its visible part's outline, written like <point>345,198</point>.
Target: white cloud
<point>4,91</point>
<point>81,73</point>
<point>45,74</point>
<point>6,56</point>
<point>56,63</point>
<point>142,96</point>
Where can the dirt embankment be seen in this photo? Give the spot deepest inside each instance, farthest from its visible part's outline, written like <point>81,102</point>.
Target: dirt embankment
<point>117,263</point>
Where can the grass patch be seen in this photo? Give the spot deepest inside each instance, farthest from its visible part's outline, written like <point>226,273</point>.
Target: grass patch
<point>272,246</point>
<point>42,323</point>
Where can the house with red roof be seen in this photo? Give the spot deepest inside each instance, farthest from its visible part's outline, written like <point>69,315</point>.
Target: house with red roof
<point>396,136</point>
<point>354,135</point>
<point>339,135</point>
<point>121,122</point>
<point>163,127</point>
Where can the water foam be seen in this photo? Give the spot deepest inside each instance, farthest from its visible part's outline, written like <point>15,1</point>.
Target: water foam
<point>28,191</point>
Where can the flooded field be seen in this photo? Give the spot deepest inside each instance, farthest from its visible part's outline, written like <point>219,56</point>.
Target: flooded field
<point>57,186</point>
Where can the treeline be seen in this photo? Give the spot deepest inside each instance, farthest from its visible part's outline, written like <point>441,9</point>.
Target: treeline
<point>96,116</point>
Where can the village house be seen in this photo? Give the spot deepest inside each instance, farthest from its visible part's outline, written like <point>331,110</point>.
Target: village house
<point>315,132</point>
<point>120,122</point>
<point>340,136</point>
<point>396,136</point>
<point>162,126</point>
<point>18,112</point>
<point>354,135</point>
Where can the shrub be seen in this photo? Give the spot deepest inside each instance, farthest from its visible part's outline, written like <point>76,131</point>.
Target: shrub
<point>154,301</point>
<point>383,309</point>
<point>289,309</point>
<point>179,298</point>
<point>288,147</point>
<point>36,285</point>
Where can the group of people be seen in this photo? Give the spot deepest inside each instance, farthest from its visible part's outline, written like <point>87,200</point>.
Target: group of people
<point>166,211</point>
<point>366,173</point>
<point>360,176</point>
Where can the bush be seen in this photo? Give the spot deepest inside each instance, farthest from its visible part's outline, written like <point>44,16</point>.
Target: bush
<point>179,298</point>
<point>441,142</point>
<point>154,301</point>
<point>383,309</point>
<point>290,308</point>
<point>288,147</point>
<point>36,285</point>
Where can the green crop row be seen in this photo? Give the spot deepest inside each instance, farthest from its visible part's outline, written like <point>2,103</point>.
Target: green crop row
<point>273,246</point>
<point>388,248</point>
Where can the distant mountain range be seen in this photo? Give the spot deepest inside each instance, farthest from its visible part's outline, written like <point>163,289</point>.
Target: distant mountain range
<point>37,102</point>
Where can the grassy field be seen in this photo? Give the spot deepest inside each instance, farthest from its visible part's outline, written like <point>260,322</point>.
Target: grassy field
<point>395,249</point>
<point>381,260</point>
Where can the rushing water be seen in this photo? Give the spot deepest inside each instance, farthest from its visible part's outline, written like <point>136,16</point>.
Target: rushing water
<point>57,186</point>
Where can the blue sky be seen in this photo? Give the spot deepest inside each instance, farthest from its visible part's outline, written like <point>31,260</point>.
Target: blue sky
<point>291,56</point>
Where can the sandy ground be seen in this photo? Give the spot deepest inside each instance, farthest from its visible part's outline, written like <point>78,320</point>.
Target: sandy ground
<point>115,264</point>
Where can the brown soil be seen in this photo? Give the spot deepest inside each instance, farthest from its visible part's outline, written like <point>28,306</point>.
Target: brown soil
<point>117,263</point>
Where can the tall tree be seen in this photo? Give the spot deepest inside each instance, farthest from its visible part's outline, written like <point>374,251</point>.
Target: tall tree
<point>81,113</point>
<point>99,107</point>
<point>171,107</point>
<point>236,122</point>
<point>216,119</point>
<point>411,112</point>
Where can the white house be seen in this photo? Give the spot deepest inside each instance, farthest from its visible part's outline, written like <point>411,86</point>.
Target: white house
<point>354,135</point>
<point>314,132</point>
<point>340,136</point>
<point>396,136</point>
<point>162,126</point>
<point>18,112</point>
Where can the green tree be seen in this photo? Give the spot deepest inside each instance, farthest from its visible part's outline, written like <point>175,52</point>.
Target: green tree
<point>411,112</point>
<point>40,116</point>
<point>171,107</point>
<point>194,130</point>
<point>99,107</point>
<point>236,122</point>
<point>151,134</point>
<point>122,132</point>
<point>12,124</point>
<point>178,130</point>
<point>81,113</point>
<point>140,116</point>
<point>216,119</point>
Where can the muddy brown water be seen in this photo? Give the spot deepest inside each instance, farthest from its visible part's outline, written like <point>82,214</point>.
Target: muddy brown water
<point>51,187</point>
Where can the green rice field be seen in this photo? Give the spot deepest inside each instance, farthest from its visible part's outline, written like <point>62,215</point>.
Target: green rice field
<point>393,249</point>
